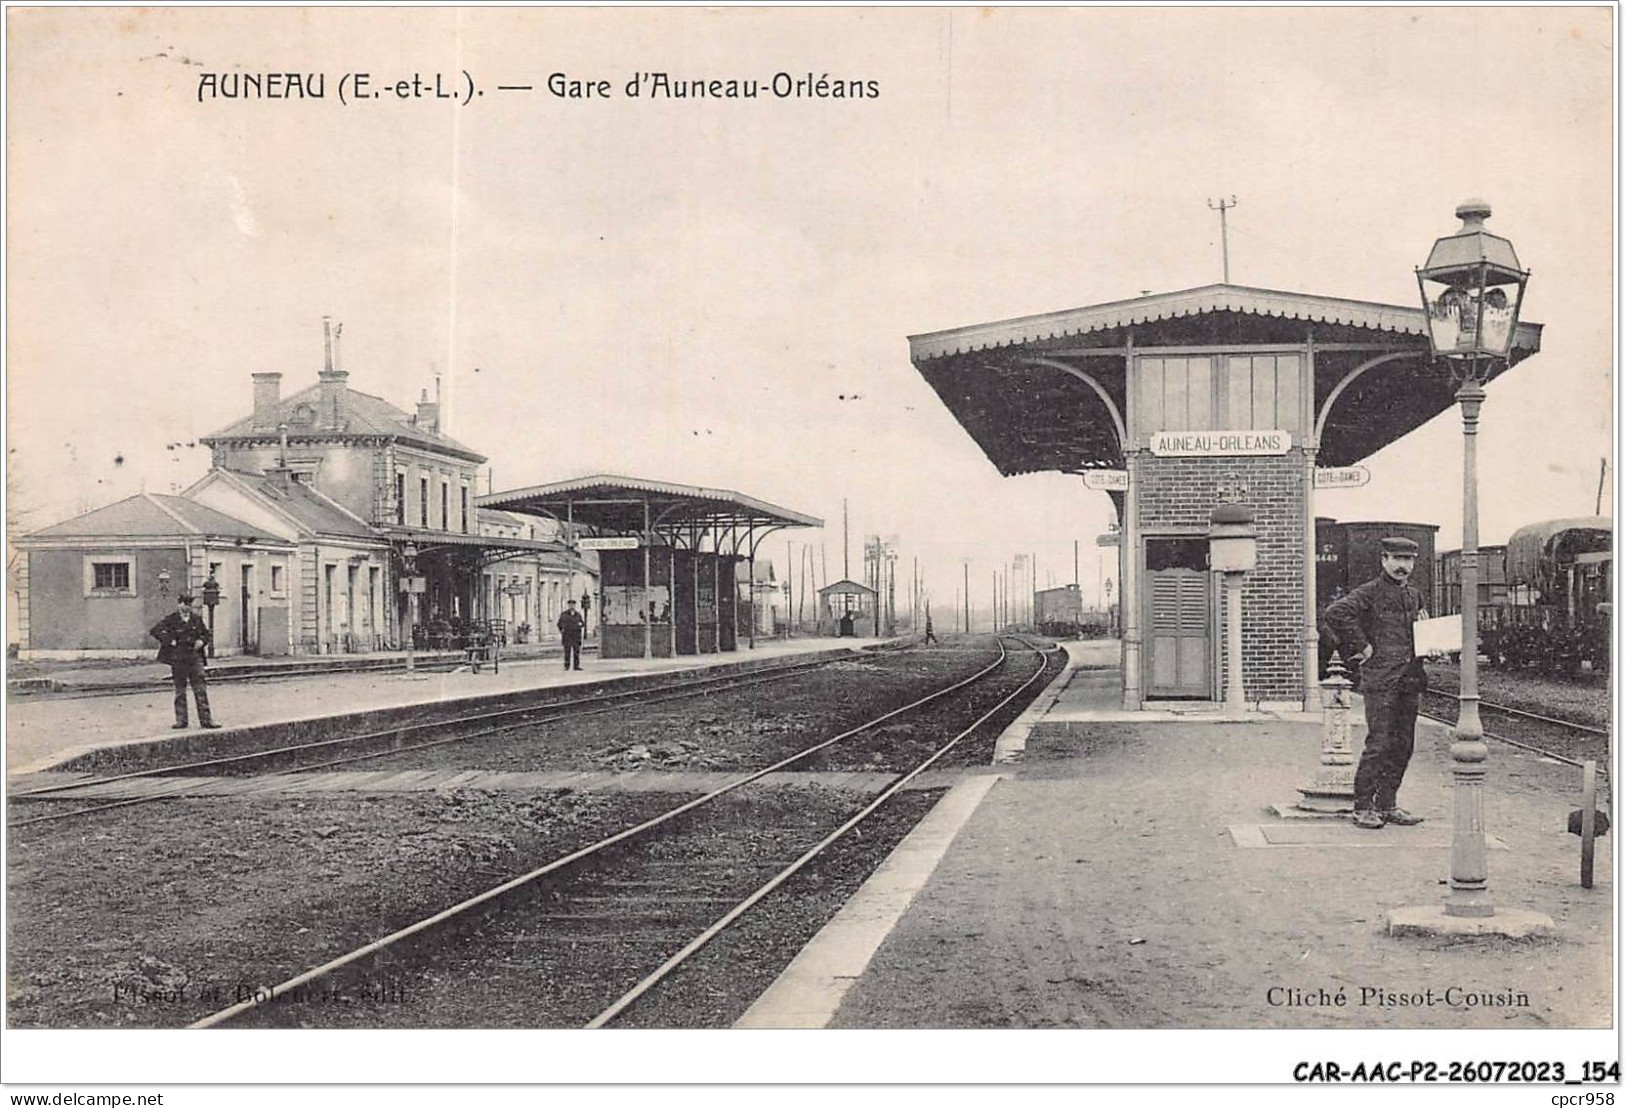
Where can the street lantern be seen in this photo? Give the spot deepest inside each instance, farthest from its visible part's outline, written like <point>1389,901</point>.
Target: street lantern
<point>409,556</point>
<point>1232,539</point>
<point>211,597</point>
<point>1472,289</point>
<point>1233,551</point>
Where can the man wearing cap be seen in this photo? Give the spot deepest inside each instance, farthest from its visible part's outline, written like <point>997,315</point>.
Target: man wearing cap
<point>1373,625</point>
<point>182,642</point>
<point>571,625</point>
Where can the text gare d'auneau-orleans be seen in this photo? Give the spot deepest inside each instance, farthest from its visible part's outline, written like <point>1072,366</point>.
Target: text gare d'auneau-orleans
<point>651,85</point>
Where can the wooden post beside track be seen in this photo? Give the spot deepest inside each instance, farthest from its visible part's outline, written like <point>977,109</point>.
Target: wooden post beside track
<point>1588,822</point>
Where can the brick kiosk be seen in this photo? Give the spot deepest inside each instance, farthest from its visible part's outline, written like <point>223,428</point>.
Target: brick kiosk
<point>1193,398</point>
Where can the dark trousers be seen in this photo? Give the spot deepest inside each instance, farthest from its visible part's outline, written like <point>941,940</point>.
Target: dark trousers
<point>1390,718</point>
<point>572,653</point>
<point>193,673</point>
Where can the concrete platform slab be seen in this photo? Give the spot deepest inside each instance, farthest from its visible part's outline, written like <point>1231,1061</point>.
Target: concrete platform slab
<point>44,732</point>
<point>1431,921</point>
<point>1344,834</point>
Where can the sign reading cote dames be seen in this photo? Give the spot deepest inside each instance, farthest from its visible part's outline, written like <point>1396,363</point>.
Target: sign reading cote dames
<point>1219,444</point>
<point>1342,477</point>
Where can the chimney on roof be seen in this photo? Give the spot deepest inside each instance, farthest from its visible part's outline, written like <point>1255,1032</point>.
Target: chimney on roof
<point>280,475</point>
<point>428,413</point>
<point>267,395</point>
<point>334,412</point>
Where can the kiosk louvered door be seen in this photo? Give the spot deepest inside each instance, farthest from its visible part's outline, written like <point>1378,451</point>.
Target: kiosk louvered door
<point>1179,625</point>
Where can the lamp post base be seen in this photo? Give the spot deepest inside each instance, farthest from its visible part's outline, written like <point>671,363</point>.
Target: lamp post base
<point>1432,921</point>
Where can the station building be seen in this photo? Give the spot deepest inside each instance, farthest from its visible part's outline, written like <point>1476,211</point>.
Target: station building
<point>333,522</point>
<point>1177,402</point>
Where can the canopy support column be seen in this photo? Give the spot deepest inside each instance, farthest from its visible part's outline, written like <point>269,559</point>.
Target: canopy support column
<point>648,616</point>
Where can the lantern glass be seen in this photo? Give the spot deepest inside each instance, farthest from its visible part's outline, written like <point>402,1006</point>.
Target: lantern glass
<point>1472,312</point>
<point>1233,553</point>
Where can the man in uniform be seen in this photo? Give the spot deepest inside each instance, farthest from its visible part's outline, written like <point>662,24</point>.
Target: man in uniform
<point>1373,626</point>
<point>182,641</point>
<point>571,625</point>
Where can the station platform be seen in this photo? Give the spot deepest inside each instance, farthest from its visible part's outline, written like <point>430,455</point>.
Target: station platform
<point>45,731</point>
<point>1128,873</point>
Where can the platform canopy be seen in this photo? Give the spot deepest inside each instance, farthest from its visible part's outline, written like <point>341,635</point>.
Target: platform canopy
<point>683,515</point>
<point>1034,391</point>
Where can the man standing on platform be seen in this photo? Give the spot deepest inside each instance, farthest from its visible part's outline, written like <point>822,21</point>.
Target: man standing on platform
<point>182,642</point>
<point>571,626</point>
<point>1373,625</point>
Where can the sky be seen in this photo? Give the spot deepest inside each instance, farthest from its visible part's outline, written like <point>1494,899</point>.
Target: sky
<point>719,292</point>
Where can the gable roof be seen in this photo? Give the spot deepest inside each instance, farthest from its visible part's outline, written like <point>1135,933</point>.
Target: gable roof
<point>366,416</point>
<point>308,508</point>
<point>617,504</point>
<point>151,515</point>
<point>840,588</point>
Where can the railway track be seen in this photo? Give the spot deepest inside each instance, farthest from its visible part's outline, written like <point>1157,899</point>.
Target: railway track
<point>346,750</point>
<point>1560,739</point>
<point>606,926</point>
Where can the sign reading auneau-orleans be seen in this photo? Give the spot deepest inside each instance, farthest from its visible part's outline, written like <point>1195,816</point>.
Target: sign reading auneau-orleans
<point>1218,444</point>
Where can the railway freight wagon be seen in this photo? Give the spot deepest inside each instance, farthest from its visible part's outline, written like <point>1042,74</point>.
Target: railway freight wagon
<point>1348,555</point>
<point>1494,594</point>
<point>1557,614</point>
<point>1493,590</point>
<point>1059,612</point>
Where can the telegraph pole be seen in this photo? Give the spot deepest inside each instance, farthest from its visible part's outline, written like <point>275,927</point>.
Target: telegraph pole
<point>1224,231</point>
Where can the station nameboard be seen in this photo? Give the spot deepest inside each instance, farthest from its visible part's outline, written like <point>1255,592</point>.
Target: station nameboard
<point>1219,444</point>
<point>610,542</point>
<point>1106,480</point>
<point>1342,477</point>
<point>414,584</point>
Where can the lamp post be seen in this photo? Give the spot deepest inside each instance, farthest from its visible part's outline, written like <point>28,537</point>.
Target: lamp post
<point>409,556</point>
<point>1233,551</point>
<point>211,597</point>
<point>1472,288</point>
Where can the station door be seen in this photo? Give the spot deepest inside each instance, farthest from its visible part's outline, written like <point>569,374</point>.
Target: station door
<point>1178,620</point>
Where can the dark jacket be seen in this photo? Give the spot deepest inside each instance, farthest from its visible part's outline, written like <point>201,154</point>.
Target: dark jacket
<point>180,641</point>
<point>571,625</point>
<point>1380,613</point>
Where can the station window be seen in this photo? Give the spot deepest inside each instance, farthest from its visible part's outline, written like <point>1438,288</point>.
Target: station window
<point>111,575</point>
<point>108,575</point>
<point>423,502</point>
<point>465,509</point>
<point>445,505</point>
<point>400,499</point>
<point>278,584</point>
